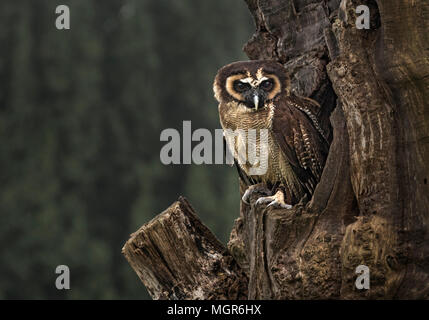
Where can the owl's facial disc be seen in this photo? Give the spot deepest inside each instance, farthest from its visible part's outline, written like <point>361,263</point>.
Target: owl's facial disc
<point>253,92</point>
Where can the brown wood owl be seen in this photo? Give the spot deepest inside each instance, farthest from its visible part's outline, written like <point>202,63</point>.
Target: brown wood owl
<point>256,95</point>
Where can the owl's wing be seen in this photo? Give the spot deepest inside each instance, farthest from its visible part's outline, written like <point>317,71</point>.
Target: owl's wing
<point>247,180</point>
<point>301,140</point>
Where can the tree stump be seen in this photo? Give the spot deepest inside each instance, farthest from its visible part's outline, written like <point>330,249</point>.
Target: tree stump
<point>177,257</point>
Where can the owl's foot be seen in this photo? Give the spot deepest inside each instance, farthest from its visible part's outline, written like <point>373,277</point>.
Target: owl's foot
<point>256,188</point>
<point>276,201</point>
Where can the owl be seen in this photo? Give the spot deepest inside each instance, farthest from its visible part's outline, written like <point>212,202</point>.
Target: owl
<point>256,95</point>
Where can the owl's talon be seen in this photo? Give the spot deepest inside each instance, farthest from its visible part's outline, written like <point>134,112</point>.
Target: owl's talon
<point>245,198</point>
<point>275,201</point>
<point>259,201</point>
<point>279,205</point>
<point>256,188</point>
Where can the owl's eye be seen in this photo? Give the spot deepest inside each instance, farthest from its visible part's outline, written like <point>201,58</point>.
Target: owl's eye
<point>241,86</point>
<point>267,85</point>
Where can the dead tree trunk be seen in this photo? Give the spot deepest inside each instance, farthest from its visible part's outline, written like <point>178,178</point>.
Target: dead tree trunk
<point>177,257</point>
<point>371,206</point>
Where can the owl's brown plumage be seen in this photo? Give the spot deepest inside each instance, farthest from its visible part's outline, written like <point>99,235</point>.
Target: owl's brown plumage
<point>256,95</point>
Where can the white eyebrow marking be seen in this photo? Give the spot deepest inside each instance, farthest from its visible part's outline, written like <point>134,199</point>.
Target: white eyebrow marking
<point>250,81</point>
<point>247,80</point>
<point>253,82</point>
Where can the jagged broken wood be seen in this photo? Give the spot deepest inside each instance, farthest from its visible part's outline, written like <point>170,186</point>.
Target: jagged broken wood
<point>177,257</point>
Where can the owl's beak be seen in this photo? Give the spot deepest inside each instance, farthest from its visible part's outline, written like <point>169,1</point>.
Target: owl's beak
<point>256,101</point>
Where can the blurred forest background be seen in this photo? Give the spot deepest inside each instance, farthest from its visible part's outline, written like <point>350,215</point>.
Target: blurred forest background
<point>81,112</point>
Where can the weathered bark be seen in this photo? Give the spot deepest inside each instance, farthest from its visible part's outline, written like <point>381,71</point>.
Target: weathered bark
<point>177,257</point>
<point>371,206</point>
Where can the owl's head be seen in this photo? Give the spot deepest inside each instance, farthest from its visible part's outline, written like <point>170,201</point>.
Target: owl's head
<point>251,84</point>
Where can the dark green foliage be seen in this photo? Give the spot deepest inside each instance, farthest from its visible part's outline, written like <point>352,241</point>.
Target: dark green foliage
<point>81,112</point>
